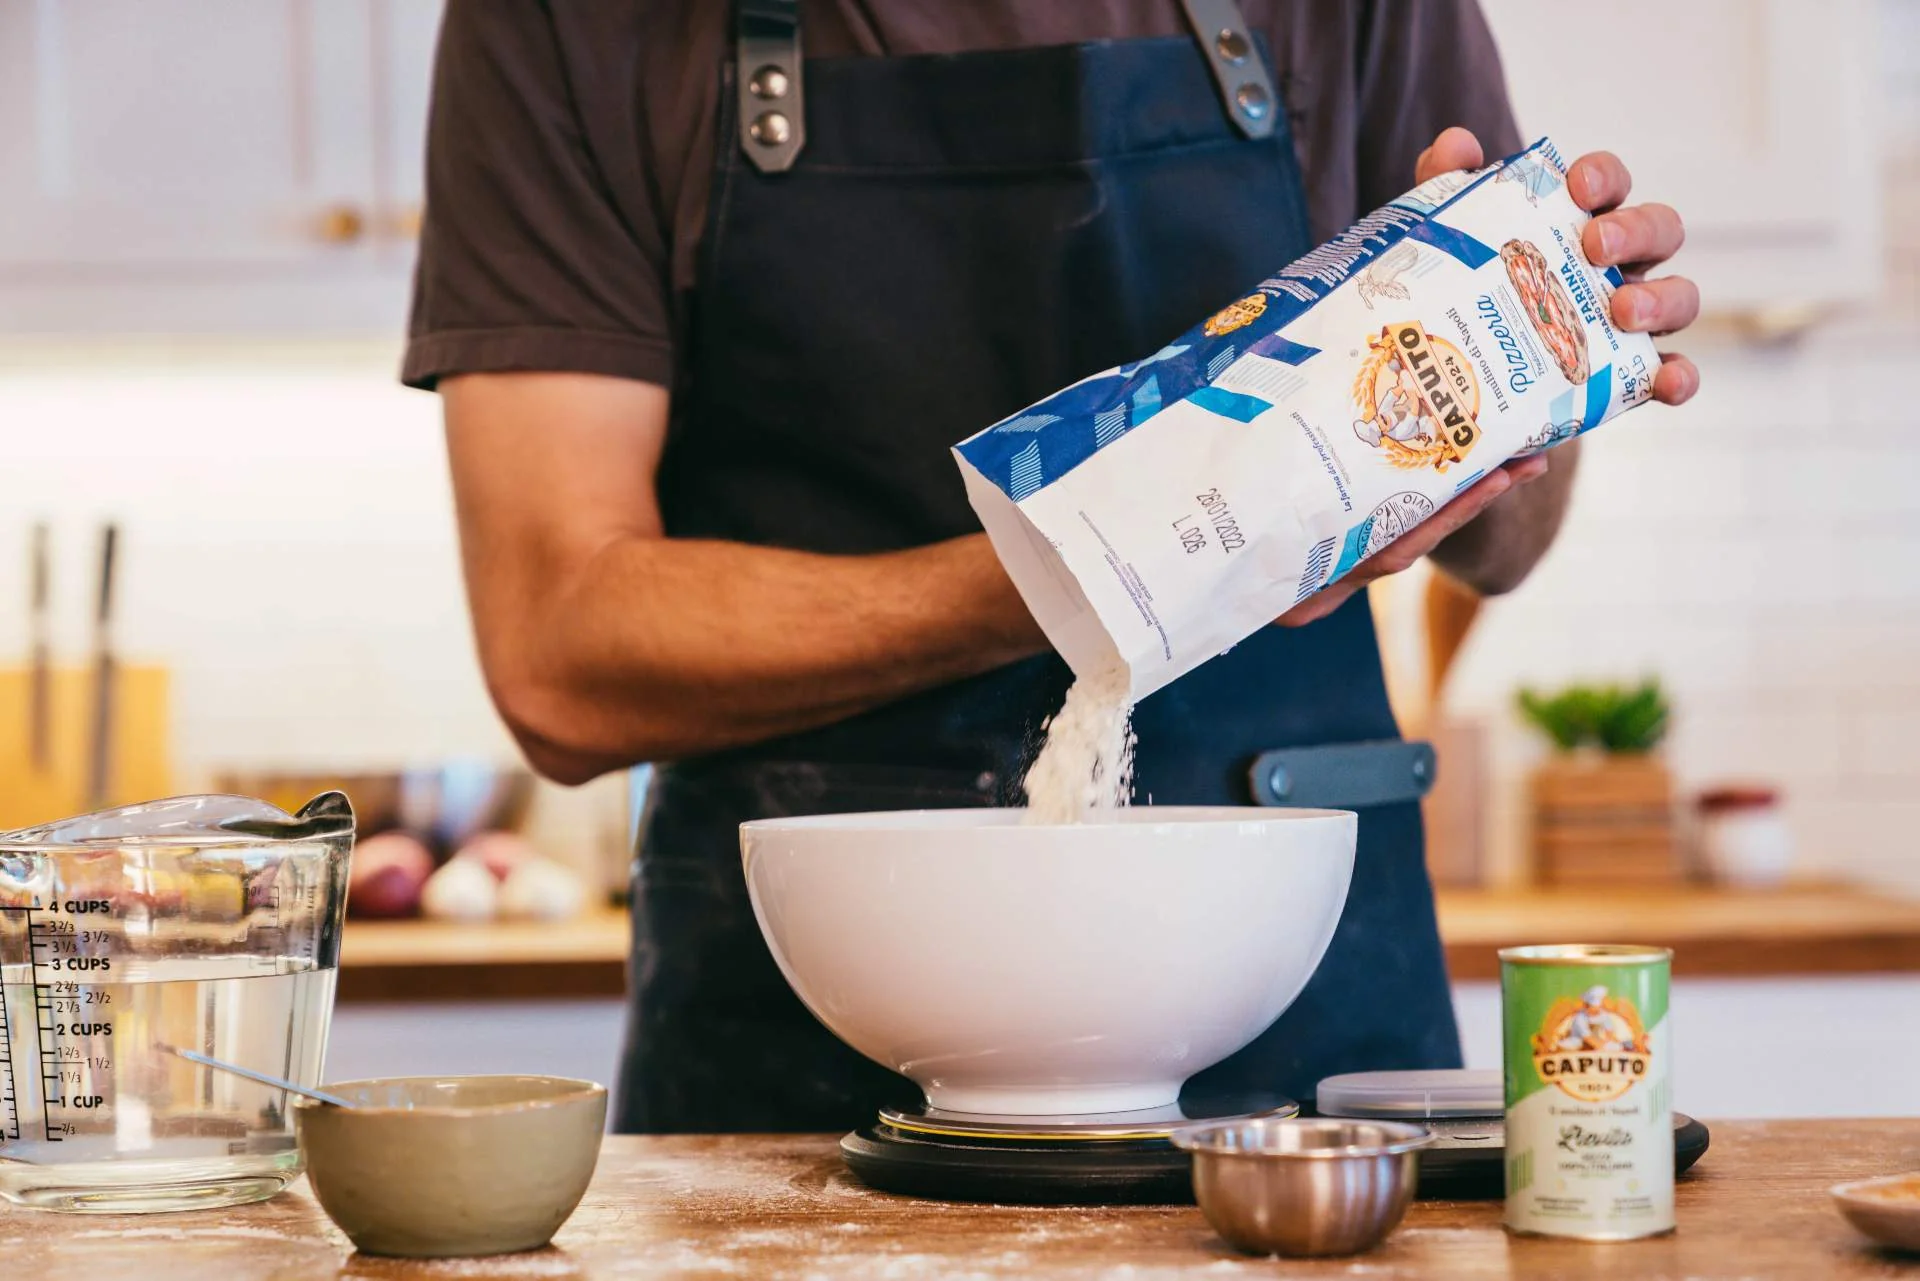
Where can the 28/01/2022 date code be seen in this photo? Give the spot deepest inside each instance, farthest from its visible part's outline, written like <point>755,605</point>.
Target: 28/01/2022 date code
<point>1215,514</point>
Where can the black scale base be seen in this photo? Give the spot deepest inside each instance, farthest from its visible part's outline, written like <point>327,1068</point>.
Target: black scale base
<point>1465,1164</point>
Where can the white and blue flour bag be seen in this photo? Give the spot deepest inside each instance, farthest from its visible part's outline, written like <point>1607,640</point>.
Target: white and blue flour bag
<point>1159,513</point>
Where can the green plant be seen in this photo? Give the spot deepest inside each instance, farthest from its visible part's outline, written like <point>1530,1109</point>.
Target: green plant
<point>1613,718</point>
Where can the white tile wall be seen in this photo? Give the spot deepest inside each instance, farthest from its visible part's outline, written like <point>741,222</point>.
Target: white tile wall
<point>289,548</point>
<point>288,552</point>
<point>1760,551</point>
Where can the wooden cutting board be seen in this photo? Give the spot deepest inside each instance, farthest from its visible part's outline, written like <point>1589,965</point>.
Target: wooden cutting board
<point>139,763</point>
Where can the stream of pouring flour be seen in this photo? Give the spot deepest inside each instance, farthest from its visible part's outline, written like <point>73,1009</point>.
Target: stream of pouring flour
<point>1086,763</point>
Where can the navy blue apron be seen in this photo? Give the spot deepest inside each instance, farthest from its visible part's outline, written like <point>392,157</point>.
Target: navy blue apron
<point>959,236</point>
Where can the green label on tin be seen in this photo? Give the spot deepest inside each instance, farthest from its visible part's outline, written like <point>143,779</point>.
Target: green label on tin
<point>1584,1030</point>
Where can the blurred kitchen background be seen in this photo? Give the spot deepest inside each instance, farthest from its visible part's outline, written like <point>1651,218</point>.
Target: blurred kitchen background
<point>207,212</point>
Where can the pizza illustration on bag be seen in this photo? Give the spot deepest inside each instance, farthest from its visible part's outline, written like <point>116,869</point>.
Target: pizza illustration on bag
<point>1548,306</point>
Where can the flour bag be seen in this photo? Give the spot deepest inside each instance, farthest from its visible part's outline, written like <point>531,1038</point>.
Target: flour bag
<point>1159,513</point>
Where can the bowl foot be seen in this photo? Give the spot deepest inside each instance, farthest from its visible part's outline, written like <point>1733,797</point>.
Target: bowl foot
<point>1052,1100</point>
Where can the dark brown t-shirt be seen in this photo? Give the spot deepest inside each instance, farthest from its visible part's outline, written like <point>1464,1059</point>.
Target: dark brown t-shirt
<point>571,142</point>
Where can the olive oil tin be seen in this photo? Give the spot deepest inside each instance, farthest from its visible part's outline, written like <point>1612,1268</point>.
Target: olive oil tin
<point>1589,1106</point>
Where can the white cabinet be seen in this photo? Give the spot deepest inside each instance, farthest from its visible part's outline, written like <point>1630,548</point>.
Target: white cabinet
<point>403,38</point>
<point>175,133</point>
<point>1754,118</point>
<point>236,166</point>
<point>573,1038</point>
<point>255,165</point>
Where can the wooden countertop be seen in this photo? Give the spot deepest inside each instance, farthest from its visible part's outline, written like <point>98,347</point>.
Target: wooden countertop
<point>444,960</point>
<point>1819,929</point>
<point>772,1207</point>
<point>1811,929</point>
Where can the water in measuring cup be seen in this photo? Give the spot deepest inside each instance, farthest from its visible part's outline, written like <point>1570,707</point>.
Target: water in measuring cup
<point>105,1117</point>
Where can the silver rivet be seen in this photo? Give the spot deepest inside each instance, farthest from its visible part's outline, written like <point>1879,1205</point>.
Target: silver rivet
<point>770,129</point>
<point>769,82</point>
<point>1279,782</point>
<point>1253,101</point>
<point>1420,768</point>
<point>1231,46</point>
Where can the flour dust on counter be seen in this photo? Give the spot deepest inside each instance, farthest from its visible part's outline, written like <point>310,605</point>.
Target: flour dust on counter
<point>780,1206</point>
<point>1085,764</point>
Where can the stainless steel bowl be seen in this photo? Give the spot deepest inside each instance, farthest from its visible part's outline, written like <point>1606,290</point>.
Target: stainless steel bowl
<point>1274,1185</point>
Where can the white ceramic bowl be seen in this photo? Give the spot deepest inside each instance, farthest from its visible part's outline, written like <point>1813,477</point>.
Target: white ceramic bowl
<point>1049,970</point>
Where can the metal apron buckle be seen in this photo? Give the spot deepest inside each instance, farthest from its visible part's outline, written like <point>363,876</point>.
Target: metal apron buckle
<point>766,80</point>
<point>1239,72</point>
<point>1344,776</point>
<point>771,106</point>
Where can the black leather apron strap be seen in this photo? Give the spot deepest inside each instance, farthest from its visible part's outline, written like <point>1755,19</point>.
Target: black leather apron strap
<point>1344,776</point>
<point>772,105</point>
<point>1239,72</point>
<point>766,78</point>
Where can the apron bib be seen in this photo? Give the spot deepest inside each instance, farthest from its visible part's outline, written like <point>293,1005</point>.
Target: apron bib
<point>959,236</point>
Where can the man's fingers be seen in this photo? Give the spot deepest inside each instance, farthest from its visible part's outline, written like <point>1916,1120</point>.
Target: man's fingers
<point>1676,380</point>
<point>1523,470</point>
<point>1403,551</point>
<point>1455,148</point>
<point>1657,306</point>
<point>1637,236</point>
<point>1319,605</point>
<point>1598,181</point>
<point>1431,532</point>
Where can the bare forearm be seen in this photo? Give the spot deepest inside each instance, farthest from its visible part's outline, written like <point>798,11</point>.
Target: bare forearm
<point>661,648</point>
<point>1497,550</point>
<point>605,642</point>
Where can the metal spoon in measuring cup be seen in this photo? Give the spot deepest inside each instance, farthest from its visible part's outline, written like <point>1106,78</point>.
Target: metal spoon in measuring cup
<point>306,1091</point>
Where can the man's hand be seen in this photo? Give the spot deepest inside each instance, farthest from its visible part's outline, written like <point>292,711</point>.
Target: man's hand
<point>1634,238</point>
<point>1488,543</point>
<point>1418,541</point>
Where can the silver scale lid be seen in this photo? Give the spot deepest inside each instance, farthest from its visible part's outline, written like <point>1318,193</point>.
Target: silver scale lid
<point>1413,1095</point>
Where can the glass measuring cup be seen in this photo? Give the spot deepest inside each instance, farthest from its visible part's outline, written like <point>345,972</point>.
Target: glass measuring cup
<point>205,923</point>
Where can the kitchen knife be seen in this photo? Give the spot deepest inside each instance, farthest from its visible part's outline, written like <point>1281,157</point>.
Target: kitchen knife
<point>40,678</point>
<point>101,742</point>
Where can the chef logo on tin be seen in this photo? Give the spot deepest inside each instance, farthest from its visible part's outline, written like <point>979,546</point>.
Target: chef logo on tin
<point>1593,1046</point>
<point>1417,398</point>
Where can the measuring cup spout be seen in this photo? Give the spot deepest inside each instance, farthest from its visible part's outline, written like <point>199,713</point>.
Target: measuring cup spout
<point>330,806</point>
<point>328,814</point>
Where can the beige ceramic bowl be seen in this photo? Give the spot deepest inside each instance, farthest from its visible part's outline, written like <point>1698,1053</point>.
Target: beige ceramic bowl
<point>1886,1209</point>
<point>447,1166</point>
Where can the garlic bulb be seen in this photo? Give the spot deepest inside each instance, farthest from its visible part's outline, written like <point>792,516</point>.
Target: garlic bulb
<point>542,890</point>
<point>463,890</point>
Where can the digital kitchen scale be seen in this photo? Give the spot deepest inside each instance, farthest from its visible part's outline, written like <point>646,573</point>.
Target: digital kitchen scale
<point>1127,1158</point>
<point>1465,1111</point>
<point>1115,1158</point>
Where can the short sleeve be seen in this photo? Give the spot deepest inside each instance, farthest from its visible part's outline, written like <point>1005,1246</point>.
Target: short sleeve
<point>1425,65</point>
<point>530,257</point>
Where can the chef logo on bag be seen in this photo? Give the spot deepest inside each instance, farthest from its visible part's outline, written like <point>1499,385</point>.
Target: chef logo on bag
<point>1417,398</point>
<point>1593,1046</point>
<point>1236,315</point>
